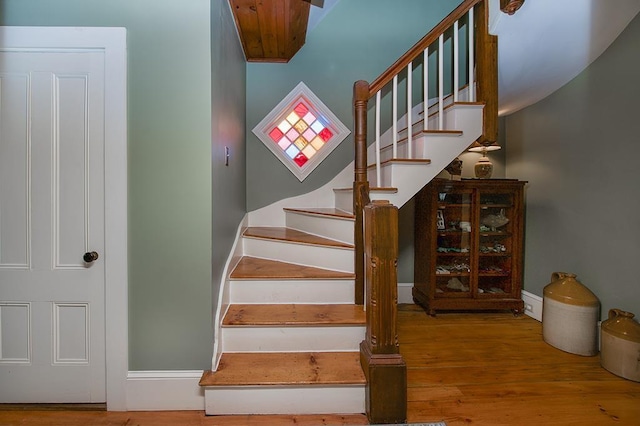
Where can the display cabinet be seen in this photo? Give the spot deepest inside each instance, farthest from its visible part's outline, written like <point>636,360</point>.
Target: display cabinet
<point>469,245</point>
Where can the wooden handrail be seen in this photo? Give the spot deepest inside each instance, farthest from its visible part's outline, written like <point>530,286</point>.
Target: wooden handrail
<point>419,47</point>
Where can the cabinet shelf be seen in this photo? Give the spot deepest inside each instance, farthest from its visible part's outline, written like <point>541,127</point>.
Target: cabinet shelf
<point>451,205</point>
<point>494,206</point>
<point>493,274</point>
<point>493,256</point>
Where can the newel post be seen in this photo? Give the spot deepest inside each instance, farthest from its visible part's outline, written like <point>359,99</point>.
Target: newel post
<point>360,182</point>
<point>487,73</point>
<point>384,367</point>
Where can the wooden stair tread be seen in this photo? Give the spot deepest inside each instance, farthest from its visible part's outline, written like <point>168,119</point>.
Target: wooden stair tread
<point>256,268</point>
<point>294,315</point>
<point>288,368</point>
<point>292,235</point>
<point>371,189</point>
<point>322,211</point>
<point>402,161</point>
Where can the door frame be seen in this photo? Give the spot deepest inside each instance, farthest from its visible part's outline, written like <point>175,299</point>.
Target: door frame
<point>112,41</point>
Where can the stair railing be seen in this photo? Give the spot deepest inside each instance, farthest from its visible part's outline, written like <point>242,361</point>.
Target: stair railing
<point>473,79</point>
<point>480,85</point>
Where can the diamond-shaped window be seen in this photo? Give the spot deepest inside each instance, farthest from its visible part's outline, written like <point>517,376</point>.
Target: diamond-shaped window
<point>301,131</point>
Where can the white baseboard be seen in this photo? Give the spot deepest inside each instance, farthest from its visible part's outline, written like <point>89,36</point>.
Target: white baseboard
<point>404,293</point>
<point>532,302</point>
<point>532,305</point>
<point>164,390</point>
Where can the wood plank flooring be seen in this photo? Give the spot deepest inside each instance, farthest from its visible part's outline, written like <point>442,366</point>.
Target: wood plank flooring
<point>487,369</point>
<point>495,369</point>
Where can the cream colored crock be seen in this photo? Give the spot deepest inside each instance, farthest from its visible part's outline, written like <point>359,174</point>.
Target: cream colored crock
<point>620,352</point>
<point>570,314</point>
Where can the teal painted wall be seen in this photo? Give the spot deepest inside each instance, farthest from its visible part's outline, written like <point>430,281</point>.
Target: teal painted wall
<point>577,148</point>
<point>170,189</point>
<point>228,106</point>
<point>358,40</point>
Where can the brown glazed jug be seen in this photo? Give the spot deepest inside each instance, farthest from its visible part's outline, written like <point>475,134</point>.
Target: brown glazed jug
<point>620,352</point>
<point>570,314</point>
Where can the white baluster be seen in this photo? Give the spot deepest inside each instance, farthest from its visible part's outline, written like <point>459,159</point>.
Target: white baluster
<point>472,47</point>
<point>441,82</point>
<point>409,110</point>
<point>378,178</point>
<point>456,65</point>
<point>395,116</point>
<point>425,84</point>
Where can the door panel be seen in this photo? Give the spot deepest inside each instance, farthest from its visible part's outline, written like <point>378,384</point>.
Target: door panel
<point>52,342</point>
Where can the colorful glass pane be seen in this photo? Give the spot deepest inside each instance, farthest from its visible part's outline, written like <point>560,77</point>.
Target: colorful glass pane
<point>301,131</point>
<point>301,126</point>
<point>284,143</point>
<point>284,126</point>
<point>317,126</point>
<point>301,110</point>
<point>292,134</point>
<point>325,134</point>
<point>276,134</point>
<point>317,143</point>
<point>300,143</point>
<point>309,118</point>
<point>292,151</point>
<point>309,134</point>
<point>292,118</point>
<point>300,159</point>
<point>309,151</point>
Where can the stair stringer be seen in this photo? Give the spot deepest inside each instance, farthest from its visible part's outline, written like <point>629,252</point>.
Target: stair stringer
<point>224,293</point>
<point>408,177</point>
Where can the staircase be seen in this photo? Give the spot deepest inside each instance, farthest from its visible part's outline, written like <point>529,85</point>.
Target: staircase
<point>288,326</point>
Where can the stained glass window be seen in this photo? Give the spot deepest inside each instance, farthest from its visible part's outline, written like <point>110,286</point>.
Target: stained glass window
<point>301,131</point>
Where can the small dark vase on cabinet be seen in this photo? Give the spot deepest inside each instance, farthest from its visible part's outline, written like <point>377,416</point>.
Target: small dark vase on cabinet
<point>474,262</point>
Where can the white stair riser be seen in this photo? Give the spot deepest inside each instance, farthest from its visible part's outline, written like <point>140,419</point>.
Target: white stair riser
<point>450,122</point>
<point>393,174</point>
<point>292,339</point>
<point>292,291</point>
<point>314,399</point>
<point>375,195</point>
<point>330,227</point>
<point>338,259</point>
<point>343,200</point>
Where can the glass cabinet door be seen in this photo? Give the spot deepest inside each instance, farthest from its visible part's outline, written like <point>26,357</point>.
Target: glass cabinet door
<point>495,246</point>
<point>454,218</point>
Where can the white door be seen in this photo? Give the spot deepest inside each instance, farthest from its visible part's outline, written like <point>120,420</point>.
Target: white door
<point>52,299</point>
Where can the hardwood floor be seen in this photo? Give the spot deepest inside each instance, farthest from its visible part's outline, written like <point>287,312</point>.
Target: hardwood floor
<point>495,369</point>
<point>463,368</point>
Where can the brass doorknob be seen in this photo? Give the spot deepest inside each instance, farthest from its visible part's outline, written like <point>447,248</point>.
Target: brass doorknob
<point>90,256</point>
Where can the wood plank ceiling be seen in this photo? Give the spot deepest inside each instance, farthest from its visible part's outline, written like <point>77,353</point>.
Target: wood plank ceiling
<point>271,30</point>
